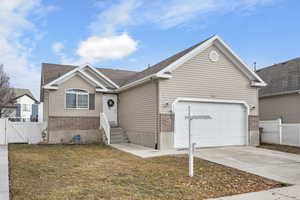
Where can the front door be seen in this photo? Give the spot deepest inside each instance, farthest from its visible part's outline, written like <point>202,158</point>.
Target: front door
<point>110,108</point>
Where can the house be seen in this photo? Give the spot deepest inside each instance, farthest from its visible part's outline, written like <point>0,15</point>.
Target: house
<point>149,107</point>
<point>281,97</point>
<point>25,106</point>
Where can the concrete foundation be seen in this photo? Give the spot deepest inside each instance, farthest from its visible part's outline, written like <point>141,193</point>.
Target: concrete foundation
<point>254,138</point>
<point>65,136</point>
<point>166,140</point>
<point>146,139</point>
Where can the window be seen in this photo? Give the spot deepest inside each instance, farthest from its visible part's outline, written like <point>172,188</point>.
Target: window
<point>26,107</point>
<point>77,99</point>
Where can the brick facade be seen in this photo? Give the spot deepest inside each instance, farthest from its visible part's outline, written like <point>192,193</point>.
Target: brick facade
<point>167,122</point>
<point>73,123</point>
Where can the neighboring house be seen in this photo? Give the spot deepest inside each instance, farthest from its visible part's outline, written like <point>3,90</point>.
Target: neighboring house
<point>151,105</point>
<point>25,107</point>
<point>281,97</point>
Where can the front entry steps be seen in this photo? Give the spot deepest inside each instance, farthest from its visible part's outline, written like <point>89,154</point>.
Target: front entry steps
<point>118,135</point>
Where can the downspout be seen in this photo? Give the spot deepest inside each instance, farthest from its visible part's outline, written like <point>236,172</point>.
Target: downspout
<point>157,116</point>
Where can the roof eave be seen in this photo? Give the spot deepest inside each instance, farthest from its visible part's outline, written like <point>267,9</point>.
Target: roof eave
<point>79,69</point>
<point>143,80</point>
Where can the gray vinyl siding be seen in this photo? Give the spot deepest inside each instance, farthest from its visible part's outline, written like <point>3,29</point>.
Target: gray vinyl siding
<point>46,105</point>
<point>138,114</point>
<point>285,106</point>
<point>56,99</point>
<point>201,78</point>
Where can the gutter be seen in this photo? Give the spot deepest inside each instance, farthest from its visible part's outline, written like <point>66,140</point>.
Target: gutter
<point>258,84</point>
<point>280,93</point>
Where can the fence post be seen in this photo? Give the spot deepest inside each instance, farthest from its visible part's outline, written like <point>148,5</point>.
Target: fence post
<point>5,130</point>
<point>280,130</point>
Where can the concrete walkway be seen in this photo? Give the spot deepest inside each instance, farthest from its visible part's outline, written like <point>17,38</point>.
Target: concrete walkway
<point>145,152</point>
<point>4,181</point>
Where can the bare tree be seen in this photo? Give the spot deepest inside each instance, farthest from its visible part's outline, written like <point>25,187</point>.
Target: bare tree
<point>7,95</point>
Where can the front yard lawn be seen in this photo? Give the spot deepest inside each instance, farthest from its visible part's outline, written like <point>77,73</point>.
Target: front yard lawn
<point>92,172</point>
<point>283,148</point>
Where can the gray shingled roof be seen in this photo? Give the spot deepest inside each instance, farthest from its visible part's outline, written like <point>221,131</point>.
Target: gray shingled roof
<point>281,78</point>
<point>161,65</point>
<point>120,77</point>
<point>116,75</point>
<point>51,72</point>
<point>21,92</point>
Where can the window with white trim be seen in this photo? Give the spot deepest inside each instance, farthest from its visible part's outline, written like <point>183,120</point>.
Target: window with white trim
<point>77,99</point>
<point>26,107</point>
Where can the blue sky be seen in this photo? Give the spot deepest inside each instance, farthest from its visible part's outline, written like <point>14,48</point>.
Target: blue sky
<point>130,34</point>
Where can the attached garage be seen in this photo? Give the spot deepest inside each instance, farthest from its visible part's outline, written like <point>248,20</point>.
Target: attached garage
<point>227,124</point>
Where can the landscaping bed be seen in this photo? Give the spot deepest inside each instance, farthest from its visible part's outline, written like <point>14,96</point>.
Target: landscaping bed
<point>283,148</point>
<point>99,172</point>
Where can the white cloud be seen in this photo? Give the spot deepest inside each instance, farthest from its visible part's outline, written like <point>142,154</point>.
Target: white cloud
<point>57,47</point>
<point>95,49</point>
<point>107,39</point>
<point>115,17</point>
<point>18,37</point>
<point>176,12</point>
<point>166,14</point>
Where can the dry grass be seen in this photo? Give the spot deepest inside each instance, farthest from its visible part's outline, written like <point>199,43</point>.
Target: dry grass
<point>91,172</point>
<point>283,148</point>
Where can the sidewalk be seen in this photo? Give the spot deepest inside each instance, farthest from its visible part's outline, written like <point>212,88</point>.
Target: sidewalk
<point>286,193</point>
<point>4,181</point>
<point>145,152</point>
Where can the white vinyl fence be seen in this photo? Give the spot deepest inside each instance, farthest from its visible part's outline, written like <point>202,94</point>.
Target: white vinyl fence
<point>20,132</point>
<point>275,132</point>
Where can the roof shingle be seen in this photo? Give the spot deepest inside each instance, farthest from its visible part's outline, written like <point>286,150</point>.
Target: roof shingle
<point>21,92</point>
<point>281,78</point>
<point>51,72</point>
<point>161,65</point>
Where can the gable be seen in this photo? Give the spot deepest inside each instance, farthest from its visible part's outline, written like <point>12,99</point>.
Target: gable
<point>201,78</point>
<point>77,82</point>
<point>25,100</point>
<point>93,77</point>
<point>202,67</point>
<point>164,69</point>
<point>256,80</point>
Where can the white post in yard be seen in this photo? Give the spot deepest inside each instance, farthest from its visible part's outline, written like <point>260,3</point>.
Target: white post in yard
<point>280,130</point>
<point>191,144</point>
<point>191,156</point>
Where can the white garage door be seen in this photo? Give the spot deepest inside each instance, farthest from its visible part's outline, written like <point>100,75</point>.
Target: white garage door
<point>227,125</point>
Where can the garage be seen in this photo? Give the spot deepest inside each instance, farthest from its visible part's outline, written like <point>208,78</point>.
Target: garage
<point>227,124</point>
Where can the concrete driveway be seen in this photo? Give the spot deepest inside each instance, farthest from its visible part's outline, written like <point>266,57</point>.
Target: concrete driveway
<point>279,166</point>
